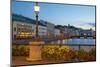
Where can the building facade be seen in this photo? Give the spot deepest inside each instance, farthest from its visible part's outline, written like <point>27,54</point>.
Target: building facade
<point>57,32</point>
<point>24,27</point>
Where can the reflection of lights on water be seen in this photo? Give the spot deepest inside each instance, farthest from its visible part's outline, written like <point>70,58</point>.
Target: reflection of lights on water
<point>77,41</point>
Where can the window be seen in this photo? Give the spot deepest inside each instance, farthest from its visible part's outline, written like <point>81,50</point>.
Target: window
<point>14,28</point>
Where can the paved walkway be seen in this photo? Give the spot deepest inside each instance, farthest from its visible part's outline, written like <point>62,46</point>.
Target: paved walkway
<point>20,60</point>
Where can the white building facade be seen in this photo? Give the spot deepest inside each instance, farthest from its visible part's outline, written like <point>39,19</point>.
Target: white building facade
<point>26,28</point>
<point>22,30</point>
<point>57,32</point>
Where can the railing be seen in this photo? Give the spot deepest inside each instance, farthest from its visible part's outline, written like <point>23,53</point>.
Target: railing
<point>74,53</point>
<point>86,47</point>
<point>68,53</point>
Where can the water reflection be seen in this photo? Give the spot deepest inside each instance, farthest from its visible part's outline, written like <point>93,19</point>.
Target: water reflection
<point>76,41</point>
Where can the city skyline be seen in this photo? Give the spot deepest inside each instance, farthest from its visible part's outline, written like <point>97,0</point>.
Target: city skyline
<point>59,14</point>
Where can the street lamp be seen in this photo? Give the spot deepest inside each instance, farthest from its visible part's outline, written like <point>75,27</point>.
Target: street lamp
<point>36,9</point>
<point>35,46</point>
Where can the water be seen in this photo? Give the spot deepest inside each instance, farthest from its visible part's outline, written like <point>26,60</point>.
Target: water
<point>88,41</point>
<point>86,44</point>
<point>80,41</point>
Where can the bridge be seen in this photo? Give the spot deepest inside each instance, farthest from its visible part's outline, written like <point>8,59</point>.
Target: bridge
<point>86,37</point>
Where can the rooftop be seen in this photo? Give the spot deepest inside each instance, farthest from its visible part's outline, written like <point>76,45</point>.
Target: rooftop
<point>20,18</point>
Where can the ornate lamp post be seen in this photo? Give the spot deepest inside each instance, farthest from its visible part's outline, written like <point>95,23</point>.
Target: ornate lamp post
<point>36,9</point>
<point>35,46</point>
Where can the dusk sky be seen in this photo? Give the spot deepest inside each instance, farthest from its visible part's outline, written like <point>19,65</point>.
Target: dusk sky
<point>62,14</point>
